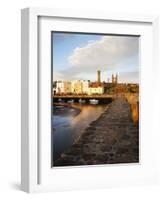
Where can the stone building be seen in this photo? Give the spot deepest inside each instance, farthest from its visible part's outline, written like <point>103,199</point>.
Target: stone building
<point>115,78</point>
<point>98,76</point>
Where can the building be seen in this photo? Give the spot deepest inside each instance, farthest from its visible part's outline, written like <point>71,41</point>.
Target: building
<point>59,87</point>
<point>63,87</point>
<point>114,79</point>
<point>76,87</point>
<point>80,86</point>
<point>98,76</point>
<point>85,86</point>
<point>95,88</point>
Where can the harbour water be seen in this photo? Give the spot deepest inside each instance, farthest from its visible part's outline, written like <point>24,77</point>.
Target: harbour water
<point>69,122</point>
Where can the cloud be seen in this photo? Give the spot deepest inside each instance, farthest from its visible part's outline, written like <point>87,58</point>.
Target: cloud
<point>108,52</point>
<point>130,77</point>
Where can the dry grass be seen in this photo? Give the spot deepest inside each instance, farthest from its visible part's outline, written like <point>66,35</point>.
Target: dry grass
<point>133,99</point>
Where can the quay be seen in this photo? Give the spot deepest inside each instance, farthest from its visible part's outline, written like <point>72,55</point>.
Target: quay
<point>112,138</point>
<point>98,96</point>
<point>103,98</point>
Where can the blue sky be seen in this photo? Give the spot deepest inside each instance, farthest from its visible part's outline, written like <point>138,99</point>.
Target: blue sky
<point>78,56</point>
<point>64,44</point>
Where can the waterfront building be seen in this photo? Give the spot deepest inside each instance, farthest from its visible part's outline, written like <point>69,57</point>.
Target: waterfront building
<point>63,87</point>
<point>77,87</point>
<point>80,86</point>
<point>96,88</point>
<point>67,87</point>
<point>59,87</point>
<point>85,86</point>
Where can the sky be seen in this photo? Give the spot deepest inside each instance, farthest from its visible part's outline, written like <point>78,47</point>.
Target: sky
<point>79,56</point>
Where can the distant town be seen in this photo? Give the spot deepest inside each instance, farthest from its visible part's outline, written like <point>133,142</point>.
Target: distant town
<point>98,87</point>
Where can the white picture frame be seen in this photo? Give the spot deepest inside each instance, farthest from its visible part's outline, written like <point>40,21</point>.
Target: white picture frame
<point>36,173</point>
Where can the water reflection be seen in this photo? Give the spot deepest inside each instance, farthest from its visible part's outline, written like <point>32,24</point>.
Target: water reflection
<point>68,123</point>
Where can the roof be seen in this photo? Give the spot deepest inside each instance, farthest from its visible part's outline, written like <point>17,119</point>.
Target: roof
<point>95,85</point>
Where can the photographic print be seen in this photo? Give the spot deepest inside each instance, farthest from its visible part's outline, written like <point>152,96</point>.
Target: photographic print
<point>95,99</point>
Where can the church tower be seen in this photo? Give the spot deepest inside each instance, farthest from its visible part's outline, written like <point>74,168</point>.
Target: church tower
<point>98,76</point>
<point>112,77</point>
<point>115,78</point>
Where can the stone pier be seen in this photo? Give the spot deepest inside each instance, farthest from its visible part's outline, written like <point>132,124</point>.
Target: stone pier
<point>112,138</point>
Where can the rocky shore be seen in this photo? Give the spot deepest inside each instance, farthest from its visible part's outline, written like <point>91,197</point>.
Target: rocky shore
<point>112,138</point>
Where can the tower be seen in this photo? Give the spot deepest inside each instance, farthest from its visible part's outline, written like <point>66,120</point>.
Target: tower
<point>115,78</point>
<point>98,76</point>
<point>112,77</point>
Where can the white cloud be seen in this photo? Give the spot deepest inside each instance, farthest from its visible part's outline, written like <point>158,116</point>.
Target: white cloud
<point>108,52</point>
<point>112,54</point>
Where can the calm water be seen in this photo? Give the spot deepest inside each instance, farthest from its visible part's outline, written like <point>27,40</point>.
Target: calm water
<point>68,123</point>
